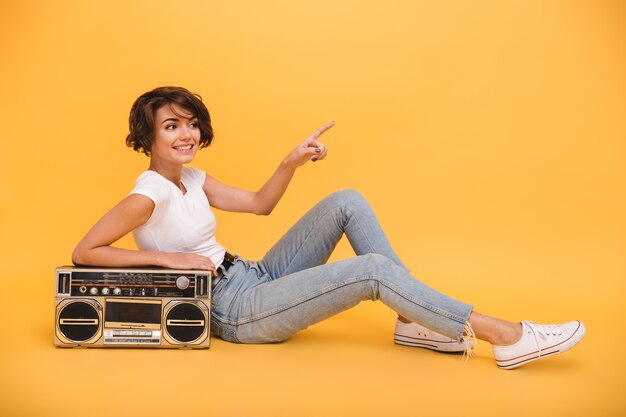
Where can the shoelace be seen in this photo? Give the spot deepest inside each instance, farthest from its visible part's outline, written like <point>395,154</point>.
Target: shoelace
<point>469,340</point>
<point>544,331</point>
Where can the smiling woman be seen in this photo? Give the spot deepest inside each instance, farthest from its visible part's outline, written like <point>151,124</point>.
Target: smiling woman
<point>170,215</point>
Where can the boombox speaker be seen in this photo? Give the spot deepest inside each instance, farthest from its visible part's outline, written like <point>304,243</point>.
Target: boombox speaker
<point>147,307</point>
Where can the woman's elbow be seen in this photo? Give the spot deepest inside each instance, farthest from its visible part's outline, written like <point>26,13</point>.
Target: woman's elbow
<point>264,211</point>
<point>79,256</point>
<point>261,208</point>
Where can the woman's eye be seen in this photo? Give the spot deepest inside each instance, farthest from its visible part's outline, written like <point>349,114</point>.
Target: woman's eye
<point>194,124</point>
<point>170,127</point>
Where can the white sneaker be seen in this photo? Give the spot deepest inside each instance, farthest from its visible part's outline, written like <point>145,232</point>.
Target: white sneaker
<point>539,341</point>
<point>416,335</point>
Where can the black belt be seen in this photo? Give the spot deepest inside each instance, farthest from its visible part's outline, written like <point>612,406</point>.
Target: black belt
<point>229,260</point>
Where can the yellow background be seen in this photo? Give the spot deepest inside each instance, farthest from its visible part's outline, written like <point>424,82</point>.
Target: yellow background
<point>489,137</point>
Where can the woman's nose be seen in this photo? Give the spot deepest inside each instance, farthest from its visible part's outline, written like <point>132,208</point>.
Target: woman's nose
<point>185,132</point>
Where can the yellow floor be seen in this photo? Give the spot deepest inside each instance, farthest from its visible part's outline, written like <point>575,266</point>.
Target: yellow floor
<point>346,366</point>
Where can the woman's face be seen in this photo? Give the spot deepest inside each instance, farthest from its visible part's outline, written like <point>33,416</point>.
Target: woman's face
<point>176,135</point>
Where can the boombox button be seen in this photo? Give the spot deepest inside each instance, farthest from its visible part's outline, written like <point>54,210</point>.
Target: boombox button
<point>93,291</point>
<point>117,291</point>
<point>105,291</point>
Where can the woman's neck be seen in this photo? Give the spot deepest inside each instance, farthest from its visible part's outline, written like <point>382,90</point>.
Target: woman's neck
<point>171,172</point>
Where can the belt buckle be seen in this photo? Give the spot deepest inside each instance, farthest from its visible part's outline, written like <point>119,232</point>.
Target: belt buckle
<point>230,258</point>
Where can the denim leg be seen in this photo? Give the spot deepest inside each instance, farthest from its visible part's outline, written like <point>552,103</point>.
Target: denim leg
<point>294,288</point>
<point>313,238</point>
<point>272,310</point>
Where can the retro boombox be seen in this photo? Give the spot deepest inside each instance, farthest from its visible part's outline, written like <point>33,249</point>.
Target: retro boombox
<point>132,307</point>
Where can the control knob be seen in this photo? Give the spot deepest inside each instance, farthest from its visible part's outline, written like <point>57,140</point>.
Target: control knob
<point>117,291</point>
<point>105,291</point>
<point>93,291</point>
<point>182,282</point>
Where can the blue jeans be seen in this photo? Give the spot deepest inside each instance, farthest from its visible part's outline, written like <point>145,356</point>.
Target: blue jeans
<point>292,287</point>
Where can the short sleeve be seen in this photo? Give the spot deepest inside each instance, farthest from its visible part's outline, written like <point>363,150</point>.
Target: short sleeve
<point>197,176</point>
<point>153,187</point>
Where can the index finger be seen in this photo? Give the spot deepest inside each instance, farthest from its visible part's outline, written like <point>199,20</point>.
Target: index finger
<point>322,129</point>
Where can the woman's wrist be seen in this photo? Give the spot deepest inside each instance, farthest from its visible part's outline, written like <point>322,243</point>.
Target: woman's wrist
<point>157,258</point>
<point>288,165</point>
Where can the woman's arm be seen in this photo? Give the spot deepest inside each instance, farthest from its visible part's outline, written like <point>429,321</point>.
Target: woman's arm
<point>264,200</point>
<point>135,210</point>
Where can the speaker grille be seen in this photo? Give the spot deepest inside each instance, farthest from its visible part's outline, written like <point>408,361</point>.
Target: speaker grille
<point>79,321</point>
<point>185,322</point>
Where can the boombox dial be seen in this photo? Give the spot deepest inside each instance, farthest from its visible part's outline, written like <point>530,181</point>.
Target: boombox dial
<point>182,282</point>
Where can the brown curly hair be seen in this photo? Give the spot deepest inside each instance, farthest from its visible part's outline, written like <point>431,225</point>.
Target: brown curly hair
<point>141,120</point>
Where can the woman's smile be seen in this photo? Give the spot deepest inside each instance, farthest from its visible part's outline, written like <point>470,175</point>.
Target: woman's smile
<point>188,149</point>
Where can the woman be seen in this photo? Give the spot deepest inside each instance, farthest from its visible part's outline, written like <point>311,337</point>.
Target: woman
<point>292,287</point>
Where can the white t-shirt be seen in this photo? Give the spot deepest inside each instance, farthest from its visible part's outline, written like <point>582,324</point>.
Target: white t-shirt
<point>180,222</point>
